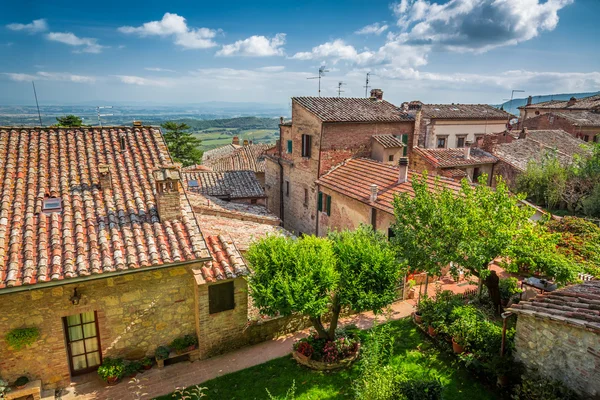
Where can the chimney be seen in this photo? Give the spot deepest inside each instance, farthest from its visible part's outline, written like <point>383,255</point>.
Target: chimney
<point>137,123</point>
<point>374,190</point>
<point>235,140</point>
<point>168,185</point>
<point>250,142</point>
<point>467,149</point>
<point>523,134</point>
<point>403,174</point>
<point>280,120</point>
<point>245,142</point>
<point>529,100</point>
<point>376,94</point>
<point>571,102</point>
<point>104,175</point>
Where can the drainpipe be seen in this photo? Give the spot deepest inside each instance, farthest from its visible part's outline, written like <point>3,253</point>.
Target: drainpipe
<point>505,316</point>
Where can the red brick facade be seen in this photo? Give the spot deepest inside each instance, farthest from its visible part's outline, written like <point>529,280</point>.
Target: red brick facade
<point>552,121</point>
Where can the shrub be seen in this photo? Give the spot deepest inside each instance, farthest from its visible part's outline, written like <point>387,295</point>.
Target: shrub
<point>111,368</point>
<point>419,388</point>
<point>509,287</point>
<point>22,337</point>
<point>131,368</point>
<point>322,349</point>
<point>183,343</point>
<point>534,387</point>
<point>21,381</point>
<point>161,353</point>
<point>146,362</point>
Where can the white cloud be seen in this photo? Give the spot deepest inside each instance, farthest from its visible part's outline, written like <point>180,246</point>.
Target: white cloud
<point>141,81</point>
<point>476,25</point>
<point>175,26</point>
<point>37,25</point>
<point>84,45</point>
<point>336,50</point>
<point>274,68</point>
<point>373,29</point>
<point>50,76</point>
<point>255,46</point>
<point>156,69</point>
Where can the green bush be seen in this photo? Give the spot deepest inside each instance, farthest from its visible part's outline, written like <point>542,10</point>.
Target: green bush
<point>131,368</point>
<point>21,381</point>
<point>162,353</point>
<point>111,368</point>
<point>182,343</point>
<point>419,388</point>
<point>534,387</point>
<point>509,287</point>
<point>22,337</point>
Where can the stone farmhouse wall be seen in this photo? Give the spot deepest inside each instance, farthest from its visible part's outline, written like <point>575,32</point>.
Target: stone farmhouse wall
<point>562,352</point>
<point>136,313</point>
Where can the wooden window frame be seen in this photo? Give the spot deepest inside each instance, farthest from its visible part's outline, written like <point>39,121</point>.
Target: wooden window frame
<point>213,306</point>
<point>391,158</point>
<point>290,146</point>
<point>464,141</point>
<point>437,142</point>
<point>68,342</point>
<point>306,145</point>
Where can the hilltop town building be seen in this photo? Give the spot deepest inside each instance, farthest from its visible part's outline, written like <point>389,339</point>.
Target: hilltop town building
<point>234,186</point>
<point>530,110</point>
<point>584,125</point>
<point>322,133</point>
<point>248,157</point>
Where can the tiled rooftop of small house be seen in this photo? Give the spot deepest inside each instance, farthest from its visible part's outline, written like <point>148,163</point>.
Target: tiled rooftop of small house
<point>453,158</point>
<point>538,144</point>
<point>354,177</point>
<point>246,158</point>
<point>220,151</point>
<point>227,262</point>
<point>224,185</point>
<point>584,103</point>
<point>577,305</point>
<point>351,109</point>
<point>581,118</point>
<point>388,141</point>
<point>464,111</point>
<point>95,230</point>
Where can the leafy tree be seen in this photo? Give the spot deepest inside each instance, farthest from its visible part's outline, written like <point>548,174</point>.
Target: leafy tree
<point>69,121</point>
<point>313,276</point>
<point>183,146</point>
<point>425,230</point>
<point>543,182</point>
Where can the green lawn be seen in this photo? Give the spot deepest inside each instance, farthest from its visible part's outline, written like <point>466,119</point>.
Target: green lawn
<point>414,353</point>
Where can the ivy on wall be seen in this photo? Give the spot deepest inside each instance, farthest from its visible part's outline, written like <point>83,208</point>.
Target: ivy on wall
<point>22,337</point>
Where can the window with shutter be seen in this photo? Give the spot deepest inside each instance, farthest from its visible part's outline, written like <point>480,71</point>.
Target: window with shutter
<point>289,147</point>
<point>220,297</point>
<point>405,141</point>
<point>328,205</point>
<point>320,202</point>
<point>306,145</point>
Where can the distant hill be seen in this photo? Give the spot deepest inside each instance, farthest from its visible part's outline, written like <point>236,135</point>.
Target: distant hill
<point>232,123</point>
<point>513,107</point>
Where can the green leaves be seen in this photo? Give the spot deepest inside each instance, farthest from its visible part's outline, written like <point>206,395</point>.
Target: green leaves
<point>69,121</point>
<point>22,337</point>
<point>183,146</point>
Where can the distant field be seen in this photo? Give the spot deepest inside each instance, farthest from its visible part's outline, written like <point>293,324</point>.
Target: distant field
<point>216,137</point>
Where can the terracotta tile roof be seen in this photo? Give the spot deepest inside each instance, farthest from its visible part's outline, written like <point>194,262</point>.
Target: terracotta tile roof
<point>463,111</point>
<point>354,177</point>
<point>584,103</point>
<point>98,231</point>
<point>581,118</point>
<point>349,109</point>
<point>388,141</point>
<point>577,305</point>
<point>219,151</point>
<point>227,262</point>
<point>195,167</point>
<point>537,145</point>
<point>246,158</point>
<point>452,158</point>
<point>228,184</point>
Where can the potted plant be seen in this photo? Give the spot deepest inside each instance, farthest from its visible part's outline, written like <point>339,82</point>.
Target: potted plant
<point>111,370</point>
<point>131,368</point>
<point>184,344</point>
<point>21,382</point>
<point>146,363</point>
<point>162,353</point>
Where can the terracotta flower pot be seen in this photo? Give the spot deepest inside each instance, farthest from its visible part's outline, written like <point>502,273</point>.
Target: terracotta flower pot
<point>431,331</point>
<point>418,318</point>
<point>147,367</point>
<point>112,380</point>
<point>22,386</point>
<point>457,348</point>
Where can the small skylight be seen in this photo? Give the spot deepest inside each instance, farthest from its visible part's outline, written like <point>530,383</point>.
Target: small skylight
<point>52,205</point>
<point>193,183</point>
<point>455,109</point>
<point>436,109</point>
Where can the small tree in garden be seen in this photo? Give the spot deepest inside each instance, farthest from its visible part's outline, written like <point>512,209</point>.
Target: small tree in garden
<point>425,229</point>
<point>183,146</point>
<point>313,276</point>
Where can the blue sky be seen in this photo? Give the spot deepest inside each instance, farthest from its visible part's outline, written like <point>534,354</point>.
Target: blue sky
<point>178,52</point>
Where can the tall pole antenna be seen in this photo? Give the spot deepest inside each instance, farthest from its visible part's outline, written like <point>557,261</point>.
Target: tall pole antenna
<point>367,83</point>
<point>98,108</point>
<point>340,91</point>
<point>322,71</point>
<point>37,104</point>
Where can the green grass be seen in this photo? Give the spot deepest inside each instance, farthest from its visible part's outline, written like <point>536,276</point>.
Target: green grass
<point>414,353</point>
<point>216,137</point>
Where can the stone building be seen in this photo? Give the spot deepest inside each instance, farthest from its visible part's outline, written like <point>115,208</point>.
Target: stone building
<point>322,133</point>
<point>361,191</point>
<point>446,126</point>
<point>101,252</point>
<point>584,125</point>
<point>234,186</point>
<point>457,164</point>
<point>248,157</point>
<point>558,335</point>
<point>388,148</point>
<point>531,110</point>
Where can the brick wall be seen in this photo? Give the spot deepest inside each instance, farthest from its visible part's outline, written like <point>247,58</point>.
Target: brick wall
<point>562,352</point>
<point>272,186</point>
<point>552,121</point>
<point>136,313</point>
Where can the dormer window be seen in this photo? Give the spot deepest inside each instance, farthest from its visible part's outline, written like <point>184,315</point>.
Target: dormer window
<point>52,205</point>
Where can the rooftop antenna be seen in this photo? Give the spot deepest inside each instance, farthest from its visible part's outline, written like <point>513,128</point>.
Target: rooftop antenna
<point>322,71</point>
<point>340,91</point>
<point>367,83</point>
<point>37,104</point>
<point>98,108</point>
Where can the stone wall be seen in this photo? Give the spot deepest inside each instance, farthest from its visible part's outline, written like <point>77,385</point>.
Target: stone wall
<point>562,352</point>
<point>136,313</point>
<point>273,186</point>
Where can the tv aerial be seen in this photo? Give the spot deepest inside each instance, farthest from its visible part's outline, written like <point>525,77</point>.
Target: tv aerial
<point>322,72</point>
